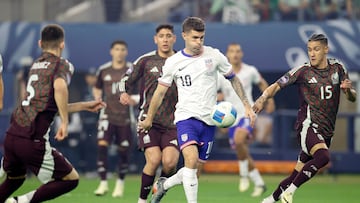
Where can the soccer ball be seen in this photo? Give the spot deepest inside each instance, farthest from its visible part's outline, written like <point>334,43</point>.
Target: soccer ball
<point>223,114</point>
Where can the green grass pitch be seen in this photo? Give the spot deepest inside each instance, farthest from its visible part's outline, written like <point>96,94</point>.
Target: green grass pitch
<point>215,188</point>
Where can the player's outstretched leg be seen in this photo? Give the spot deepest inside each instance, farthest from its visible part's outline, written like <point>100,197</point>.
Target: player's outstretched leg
<point>103,187</point>
<point>160,191</point>
<point>259,183</point>
<point>9,186</point>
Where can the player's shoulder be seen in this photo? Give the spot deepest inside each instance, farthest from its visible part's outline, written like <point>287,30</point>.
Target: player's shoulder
<point>103,67</point>
<point>66,63</point>
<point>337,62</point>
<point>210,50</point>
<point>300,68</point>
<point>145,56</point>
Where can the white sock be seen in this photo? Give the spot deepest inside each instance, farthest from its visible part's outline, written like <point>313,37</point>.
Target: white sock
<point>256,177</point>
<point>120,182</point>
<point>190,184</point>
<point>141,200</point>
<point>244,168</point>
<point>175,179</point>
<point>291,188</point>
<point>26,197</point>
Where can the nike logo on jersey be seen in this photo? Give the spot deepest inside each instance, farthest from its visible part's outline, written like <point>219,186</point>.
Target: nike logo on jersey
<point>154,70</point>
<point>180,69</point>
<point>312,80</point>
<point>107,78</point>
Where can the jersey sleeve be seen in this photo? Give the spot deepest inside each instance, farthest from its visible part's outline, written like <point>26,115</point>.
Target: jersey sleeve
<point>224,67</point>
<point>65,71</point>
<point>132,76</point>
<point>99,82</point>
<point>343,71</point>
<point>290,77</point>
<point>1,65</point>
<point>168,72</point>
<point>256,76</point>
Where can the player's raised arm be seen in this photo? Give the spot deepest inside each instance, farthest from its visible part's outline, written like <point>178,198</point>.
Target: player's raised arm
<point>349,91</point>
<point>235,82</point>
<point>267,94</point>
<point>154,105</point>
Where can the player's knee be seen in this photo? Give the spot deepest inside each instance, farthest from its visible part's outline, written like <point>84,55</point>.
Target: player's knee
<point>322,156</point>
<point>169,163</point>
<point>73,175</point>
<point>153,161</point>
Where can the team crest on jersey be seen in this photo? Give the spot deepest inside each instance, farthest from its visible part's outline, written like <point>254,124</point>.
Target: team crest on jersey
<point>335,78</point>
<point>209,63</point>
<point>184,137</point>
<point>107,77</point>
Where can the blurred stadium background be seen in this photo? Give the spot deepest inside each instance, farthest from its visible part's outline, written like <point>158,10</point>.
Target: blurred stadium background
<point>271,40</point>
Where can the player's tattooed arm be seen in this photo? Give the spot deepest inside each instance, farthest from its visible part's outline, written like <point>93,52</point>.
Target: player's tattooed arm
<point>267,93</point>
<point>239,89</point>
<point>350,93</point>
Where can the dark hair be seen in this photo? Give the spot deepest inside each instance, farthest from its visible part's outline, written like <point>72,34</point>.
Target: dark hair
<point>193,23</point>
<point>319,37</point>
<point>51,36</point>
<point>164,26</point>
<point>121,42</point>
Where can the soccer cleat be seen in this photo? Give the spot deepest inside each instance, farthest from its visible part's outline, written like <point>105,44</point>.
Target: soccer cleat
<point>102,189</point>
<point>159,192</point>
<point>119,189</point>
<point>244,184</point>
<point>258,191</point>
<point>267,200</point>
<point>11,200</point>
<point>286,197</point>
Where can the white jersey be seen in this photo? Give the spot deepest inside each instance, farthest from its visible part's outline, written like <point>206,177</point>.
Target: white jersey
<point>1,64</point>
<point>196,79</point>
<point>248,76</point>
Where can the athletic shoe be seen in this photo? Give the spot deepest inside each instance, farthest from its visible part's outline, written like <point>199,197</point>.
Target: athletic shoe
<point>244,184</point>
<point>119,189</point>
<point>258,191</point>
<point>11,200</point>
<point>160,191</point>
<point>102,189</point>
<point>286,197</point>
<point>268,200</point>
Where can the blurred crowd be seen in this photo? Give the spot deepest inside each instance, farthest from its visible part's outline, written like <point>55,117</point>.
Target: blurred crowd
<point>255,11</point>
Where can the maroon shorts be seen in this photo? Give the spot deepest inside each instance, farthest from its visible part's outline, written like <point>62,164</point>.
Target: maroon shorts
<point>119,135</point>
<point>158,136</point>
<point>309,136</point>
<point>38,156</point>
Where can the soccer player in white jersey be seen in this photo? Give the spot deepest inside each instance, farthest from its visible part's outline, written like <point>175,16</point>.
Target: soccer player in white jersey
<point>195,71</point>
<point>241,131</point>
<point>1,85</point>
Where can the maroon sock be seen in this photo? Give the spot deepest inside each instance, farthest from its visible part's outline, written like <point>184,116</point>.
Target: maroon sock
<point>283,185</point>
<point>147,182</point>
<point>123,164</point>
<point>320,159</point>
<point>8,187</point>
<point>53,189</point>
<point>102,161</point>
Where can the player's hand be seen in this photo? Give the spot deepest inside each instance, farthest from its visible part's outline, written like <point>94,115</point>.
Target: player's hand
<point>125,98</point>
<point>259,105</point>
<point>62,132</point>
<point>94,106</point>
<point>145,125</point>
<point>346,84</point>
<point>249,113</point>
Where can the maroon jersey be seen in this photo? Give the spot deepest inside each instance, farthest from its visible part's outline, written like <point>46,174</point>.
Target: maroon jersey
<point>32,118</point>
<point>147,70</point>
<point>319,91</point>
<point>108,80</point>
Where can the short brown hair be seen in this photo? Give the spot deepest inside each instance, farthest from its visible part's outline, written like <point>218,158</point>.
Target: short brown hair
<point>193,23</point>
<point>51,36</point>
<point>164,26</point>
<point>319,37</point>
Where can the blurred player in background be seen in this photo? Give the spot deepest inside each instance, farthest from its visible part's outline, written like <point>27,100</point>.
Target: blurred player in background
<point>26,144</point>
<point>241,132</point>
<point>160,142</point>
<point>195,71</point>
<point>114,121</point>
<point>320,83</point>
<point>1,85</point>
